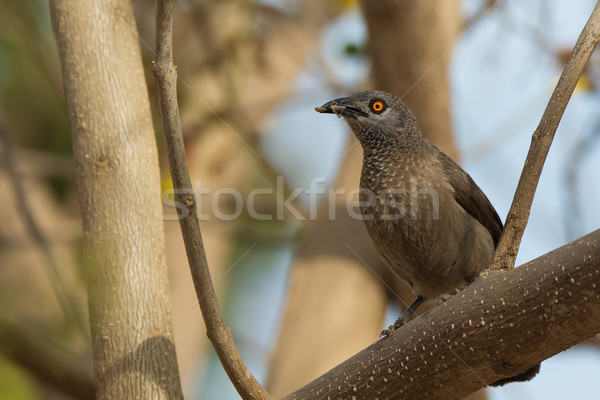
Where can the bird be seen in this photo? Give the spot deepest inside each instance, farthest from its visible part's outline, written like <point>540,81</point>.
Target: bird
<point>430,222</point>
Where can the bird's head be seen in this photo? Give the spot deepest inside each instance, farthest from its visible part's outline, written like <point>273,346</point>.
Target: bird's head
<point>374,116</point>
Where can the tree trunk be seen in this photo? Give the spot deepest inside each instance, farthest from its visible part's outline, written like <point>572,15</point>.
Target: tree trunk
<point>118,184</point>
<point>416,68</point>
<point>409,44</point>
<point>336,305</point>
<point>337,300</point>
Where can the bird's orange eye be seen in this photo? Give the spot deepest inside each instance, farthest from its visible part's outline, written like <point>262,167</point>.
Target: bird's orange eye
<point>377,106</point>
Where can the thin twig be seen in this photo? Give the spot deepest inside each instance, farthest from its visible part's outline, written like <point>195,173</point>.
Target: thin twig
<point>516,221</point>
<point>217,331</point>
<point>67,302</point>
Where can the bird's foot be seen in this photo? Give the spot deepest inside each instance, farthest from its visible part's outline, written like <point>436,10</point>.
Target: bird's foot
<point>447,296</point>
<point>404,317</point>
<point>387,332</point>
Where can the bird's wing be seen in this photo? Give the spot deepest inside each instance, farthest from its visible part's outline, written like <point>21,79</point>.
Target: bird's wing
<point>471,197</point>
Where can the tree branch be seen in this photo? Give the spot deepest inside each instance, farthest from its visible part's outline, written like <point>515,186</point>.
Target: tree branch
<point>217,331</point>
<point>499,326</point>
<point>68,303</point>
<point>518,215</point>
<point>33,349</point>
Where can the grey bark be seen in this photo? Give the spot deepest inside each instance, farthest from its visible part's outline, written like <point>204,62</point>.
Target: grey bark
<point>119,193</point>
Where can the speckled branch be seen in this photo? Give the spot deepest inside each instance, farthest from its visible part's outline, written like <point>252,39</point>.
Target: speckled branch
<point>518,215</point>
<point>499,326</point>
<point>217,331</point>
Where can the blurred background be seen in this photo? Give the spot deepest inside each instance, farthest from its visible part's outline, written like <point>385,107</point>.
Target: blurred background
<point>299,282</point>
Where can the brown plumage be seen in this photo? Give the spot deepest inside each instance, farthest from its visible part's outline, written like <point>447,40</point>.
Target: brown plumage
<point>432,225</point>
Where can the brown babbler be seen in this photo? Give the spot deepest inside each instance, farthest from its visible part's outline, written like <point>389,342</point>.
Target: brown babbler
<point>432,225</point>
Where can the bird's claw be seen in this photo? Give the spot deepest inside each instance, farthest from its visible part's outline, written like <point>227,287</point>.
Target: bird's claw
<point>445,297</point>
<point>387,332</point>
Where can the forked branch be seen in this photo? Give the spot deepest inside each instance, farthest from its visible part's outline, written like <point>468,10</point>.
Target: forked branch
<point>518,215</point>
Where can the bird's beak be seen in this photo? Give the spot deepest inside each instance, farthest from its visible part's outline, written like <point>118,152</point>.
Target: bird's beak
<point>340,107</point>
